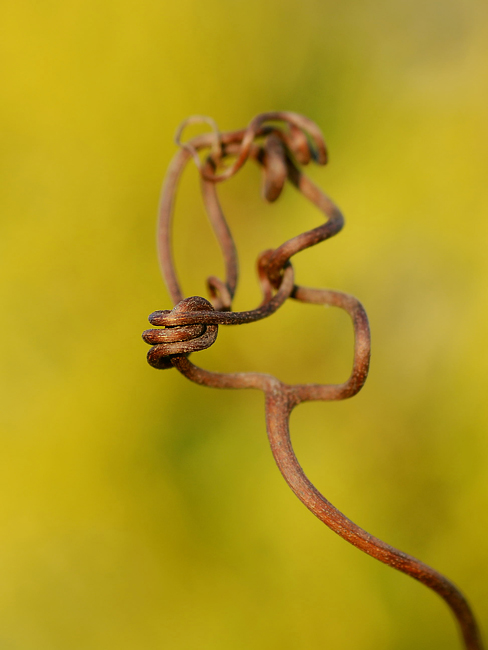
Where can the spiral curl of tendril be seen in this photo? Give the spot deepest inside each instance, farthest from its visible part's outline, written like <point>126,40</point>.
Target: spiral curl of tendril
<point>192,325</point>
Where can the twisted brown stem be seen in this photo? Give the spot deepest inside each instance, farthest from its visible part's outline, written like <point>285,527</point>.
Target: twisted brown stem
<point>192,325</point>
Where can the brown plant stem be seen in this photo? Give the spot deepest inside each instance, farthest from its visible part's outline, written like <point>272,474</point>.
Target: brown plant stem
<point>192,324</point>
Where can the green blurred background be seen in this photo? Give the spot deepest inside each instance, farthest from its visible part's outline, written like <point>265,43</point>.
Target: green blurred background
<point>140,511</point>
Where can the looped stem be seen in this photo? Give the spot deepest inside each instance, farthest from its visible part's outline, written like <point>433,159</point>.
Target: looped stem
<point>192,324</point>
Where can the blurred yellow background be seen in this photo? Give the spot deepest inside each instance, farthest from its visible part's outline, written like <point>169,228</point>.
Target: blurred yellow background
<point>140,511</point>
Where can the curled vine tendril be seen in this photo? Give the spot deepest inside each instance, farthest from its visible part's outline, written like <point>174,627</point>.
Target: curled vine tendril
<point>192,325</point>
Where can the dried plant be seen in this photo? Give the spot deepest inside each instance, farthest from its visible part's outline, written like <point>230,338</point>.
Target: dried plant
<point>192,324</point>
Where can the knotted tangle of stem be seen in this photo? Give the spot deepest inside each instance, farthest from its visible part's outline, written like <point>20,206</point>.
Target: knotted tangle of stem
<point>279,142</point>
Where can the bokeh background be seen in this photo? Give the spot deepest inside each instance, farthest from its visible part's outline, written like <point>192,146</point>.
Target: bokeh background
<point>140,511</point>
